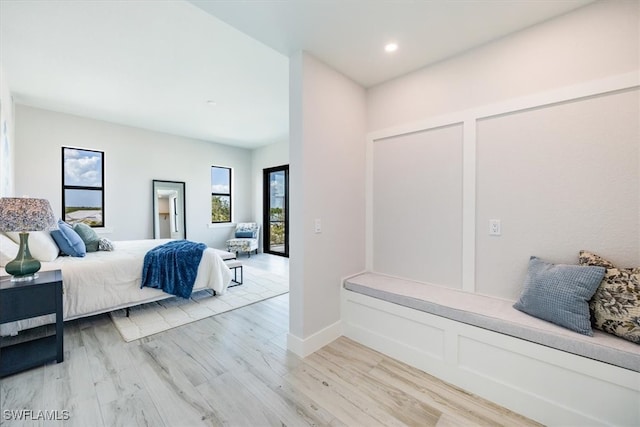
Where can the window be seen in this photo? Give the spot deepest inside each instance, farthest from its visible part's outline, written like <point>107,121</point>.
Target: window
<point>83,186</point>
<point>220,194</point>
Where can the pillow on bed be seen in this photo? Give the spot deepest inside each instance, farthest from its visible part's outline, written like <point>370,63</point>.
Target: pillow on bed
<point>615,307</point>
<point>105,244</point>
<point>560,293</point>
<point>8,250</point>
<point>41,245</point>
<point>88,236</point>
<point>68,241</point>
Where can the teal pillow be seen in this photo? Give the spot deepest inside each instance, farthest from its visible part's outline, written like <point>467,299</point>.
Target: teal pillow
<point>69,242</point>
<point>560,293</point>
<point>88,236</point>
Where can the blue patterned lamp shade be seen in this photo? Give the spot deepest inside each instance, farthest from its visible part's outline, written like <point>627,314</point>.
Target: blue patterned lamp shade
<point>23,214</point>
<point>26,214</point>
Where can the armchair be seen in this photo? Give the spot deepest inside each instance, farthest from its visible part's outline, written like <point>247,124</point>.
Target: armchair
<point>245,238</point>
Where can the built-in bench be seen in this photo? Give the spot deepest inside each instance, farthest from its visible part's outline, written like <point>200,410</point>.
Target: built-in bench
<point>485,346</point>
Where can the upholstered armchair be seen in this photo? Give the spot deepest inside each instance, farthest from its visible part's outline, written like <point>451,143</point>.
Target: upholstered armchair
<point>245,238</point>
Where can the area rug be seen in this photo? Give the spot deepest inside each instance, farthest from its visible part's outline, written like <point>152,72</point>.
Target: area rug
<point>155,317</point>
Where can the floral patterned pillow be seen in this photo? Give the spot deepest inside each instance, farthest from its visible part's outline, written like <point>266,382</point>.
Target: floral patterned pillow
<point>615,307</point>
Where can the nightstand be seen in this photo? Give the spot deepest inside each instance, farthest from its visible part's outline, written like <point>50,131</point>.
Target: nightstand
<point>24,300</point>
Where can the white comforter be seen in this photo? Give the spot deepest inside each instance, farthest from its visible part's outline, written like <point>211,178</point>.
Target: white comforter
<point>105,281</point>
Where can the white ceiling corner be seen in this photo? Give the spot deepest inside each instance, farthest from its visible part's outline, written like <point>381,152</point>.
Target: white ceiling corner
<point>154,64</point>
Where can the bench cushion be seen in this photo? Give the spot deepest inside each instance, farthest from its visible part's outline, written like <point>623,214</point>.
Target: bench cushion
<point>497,315</point>
<point>233,263</point>
<point>224,254</point>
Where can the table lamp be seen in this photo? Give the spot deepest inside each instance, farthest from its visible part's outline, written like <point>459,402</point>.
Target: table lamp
<point>23,214</point>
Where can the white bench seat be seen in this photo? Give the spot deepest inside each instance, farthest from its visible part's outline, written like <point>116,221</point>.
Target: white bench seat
<point>485,346</point>
<point>496,315</point>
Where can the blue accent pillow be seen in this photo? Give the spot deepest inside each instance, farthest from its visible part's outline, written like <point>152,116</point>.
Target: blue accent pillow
<point>560,293</point>
<point>244,234</point>
<point>68,241</point>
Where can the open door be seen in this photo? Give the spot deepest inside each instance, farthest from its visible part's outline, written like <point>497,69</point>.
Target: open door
<point>276,210</point>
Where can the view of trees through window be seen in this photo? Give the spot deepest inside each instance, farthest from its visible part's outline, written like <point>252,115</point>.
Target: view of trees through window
<point>220,194</point>
<point>275,205</point>
<point>83,186</point>
<point>277,226</point>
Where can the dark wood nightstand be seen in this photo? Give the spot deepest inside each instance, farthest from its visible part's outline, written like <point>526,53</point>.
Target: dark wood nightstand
<point>23,300</point>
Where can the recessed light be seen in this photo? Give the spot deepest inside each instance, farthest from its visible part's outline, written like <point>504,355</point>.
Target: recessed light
<point>211,103</point>
<point>391,47</point>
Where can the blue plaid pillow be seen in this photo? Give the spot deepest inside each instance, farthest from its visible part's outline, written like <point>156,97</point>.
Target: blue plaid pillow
<point>69,242</point>
<point>560,293</point>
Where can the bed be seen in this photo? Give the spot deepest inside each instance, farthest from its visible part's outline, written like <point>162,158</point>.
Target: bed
<point>104,281</point>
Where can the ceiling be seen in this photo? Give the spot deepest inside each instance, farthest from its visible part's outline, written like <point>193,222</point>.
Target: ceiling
<point>154,64</point>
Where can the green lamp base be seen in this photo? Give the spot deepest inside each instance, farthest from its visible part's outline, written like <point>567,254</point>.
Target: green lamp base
<point>24,267</point>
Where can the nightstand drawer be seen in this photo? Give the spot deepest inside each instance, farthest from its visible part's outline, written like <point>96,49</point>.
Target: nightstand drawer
<point>21,303</point>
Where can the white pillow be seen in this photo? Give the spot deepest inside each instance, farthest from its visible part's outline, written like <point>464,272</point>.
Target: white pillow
<point>41,245</point>
<point>8,250</point>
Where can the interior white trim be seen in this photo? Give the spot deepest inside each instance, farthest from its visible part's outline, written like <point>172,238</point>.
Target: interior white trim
<point>368,238</point>
<point>221,224</point>
<point>569,93</point>
<point>469,205</point>
<point>306,346</point>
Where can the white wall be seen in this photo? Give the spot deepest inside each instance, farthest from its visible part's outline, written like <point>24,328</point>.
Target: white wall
<point>272,155</point>
<point>593,42</point>
<point>7,133</point>
<point>558,166</point>
<point>133,158</point>
<point>561,178</point>
<point>421,172</point>
<point>327,170</point>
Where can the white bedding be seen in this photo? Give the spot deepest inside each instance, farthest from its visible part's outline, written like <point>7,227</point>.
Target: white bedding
<point>105,281</point>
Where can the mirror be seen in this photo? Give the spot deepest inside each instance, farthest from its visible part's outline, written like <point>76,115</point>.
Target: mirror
<point>169,210</point>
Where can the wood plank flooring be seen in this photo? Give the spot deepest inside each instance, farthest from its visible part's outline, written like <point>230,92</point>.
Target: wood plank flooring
<point>234,370</point>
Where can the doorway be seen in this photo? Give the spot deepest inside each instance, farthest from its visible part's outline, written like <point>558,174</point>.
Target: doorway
<point>276,210</point>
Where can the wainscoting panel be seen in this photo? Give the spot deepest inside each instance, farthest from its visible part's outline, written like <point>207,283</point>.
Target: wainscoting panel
<point>547,381</point>
<point>561,178</point>
<point>559,169</point>
<point>426,340</point>
<point>417,207</point>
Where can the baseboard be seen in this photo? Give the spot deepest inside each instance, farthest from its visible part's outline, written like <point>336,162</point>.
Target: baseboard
<point>304,347</point>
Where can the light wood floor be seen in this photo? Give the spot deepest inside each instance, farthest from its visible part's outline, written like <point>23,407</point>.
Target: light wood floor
<point>233,369</point>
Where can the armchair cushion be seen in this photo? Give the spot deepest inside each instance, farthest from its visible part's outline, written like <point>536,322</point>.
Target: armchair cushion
<point>246,238</point>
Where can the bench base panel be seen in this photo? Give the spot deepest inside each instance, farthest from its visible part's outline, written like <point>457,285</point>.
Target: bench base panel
<point>545,384</point>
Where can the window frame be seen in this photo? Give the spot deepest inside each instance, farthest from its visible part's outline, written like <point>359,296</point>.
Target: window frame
<point>83,187</point>
<point>220,194</point>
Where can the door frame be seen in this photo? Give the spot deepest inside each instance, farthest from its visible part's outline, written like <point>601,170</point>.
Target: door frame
<point>266,220</point>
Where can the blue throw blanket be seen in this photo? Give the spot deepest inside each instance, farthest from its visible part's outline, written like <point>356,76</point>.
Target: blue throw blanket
<point>173,267</point>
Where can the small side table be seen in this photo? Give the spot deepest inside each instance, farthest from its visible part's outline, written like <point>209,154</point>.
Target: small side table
<point>24,300</point>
